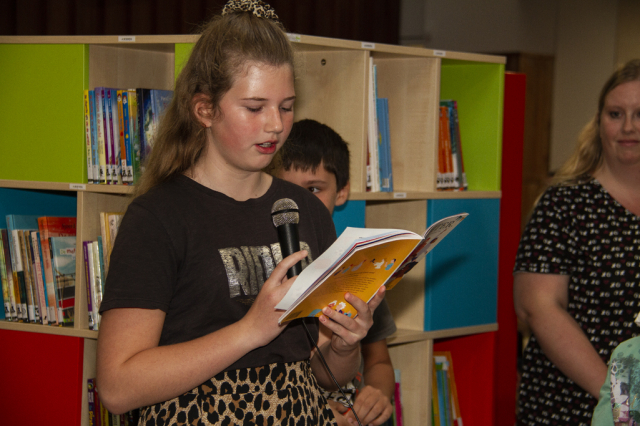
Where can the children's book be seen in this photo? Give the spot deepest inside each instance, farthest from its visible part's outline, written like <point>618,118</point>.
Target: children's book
<point>127,171</point>
<point>134,134</point>
<point>101,135</point>
<point>89,275</point>
<point>384,145</point>
<point>15,223</point>
<point>14,291</point>
<point>95,159</point>
<point>360,261</point>
<point>38,271</point>
<point>87,135</point>
<point>373,171</point>
<point>7,286</point>
<point>443,360</point>
<point>63,259</point>
<point>116,173</point>
<point>145,122</point>
<point>53,226</point>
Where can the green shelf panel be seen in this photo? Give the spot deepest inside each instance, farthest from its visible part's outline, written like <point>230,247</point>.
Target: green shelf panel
<point>479,90</point>
<point>41,112</point>
<point>183,50</point>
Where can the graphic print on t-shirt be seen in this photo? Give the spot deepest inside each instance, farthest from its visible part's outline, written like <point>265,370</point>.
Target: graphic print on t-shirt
<point>248,268</point>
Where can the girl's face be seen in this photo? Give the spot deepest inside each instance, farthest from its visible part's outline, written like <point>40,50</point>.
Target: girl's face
<point>255,120</point>
<point>620,125</point>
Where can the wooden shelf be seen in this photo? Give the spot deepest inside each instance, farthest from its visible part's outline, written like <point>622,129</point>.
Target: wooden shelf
<point>49,329</point>
<point>408,336</point>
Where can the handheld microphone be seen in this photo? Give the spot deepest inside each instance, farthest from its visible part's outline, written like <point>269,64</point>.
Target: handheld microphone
<point>285,218</point>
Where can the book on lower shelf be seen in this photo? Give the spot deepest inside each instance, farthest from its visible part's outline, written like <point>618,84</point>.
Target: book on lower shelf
<point>100,416</point>
<point>360,261</point>
<point>445,404</point>
<point>63,262</point>
<point>451,174</point>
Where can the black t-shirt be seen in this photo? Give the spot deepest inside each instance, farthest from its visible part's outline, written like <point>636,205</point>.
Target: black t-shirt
<point>202,257</point>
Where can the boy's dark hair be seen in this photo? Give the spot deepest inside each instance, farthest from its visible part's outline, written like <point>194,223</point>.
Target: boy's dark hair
<point>311,143</point>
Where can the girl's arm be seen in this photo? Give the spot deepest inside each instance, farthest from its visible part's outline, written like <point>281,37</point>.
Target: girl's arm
<point>133,371</point>
<point>541,302</point>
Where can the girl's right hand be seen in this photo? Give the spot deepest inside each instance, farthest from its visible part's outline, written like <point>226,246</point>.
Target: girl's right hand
<point>261,322</point>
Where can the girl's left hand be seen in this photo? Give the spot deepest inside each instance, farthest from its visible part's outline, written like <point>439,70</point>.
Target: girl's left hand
<point>347,331</point>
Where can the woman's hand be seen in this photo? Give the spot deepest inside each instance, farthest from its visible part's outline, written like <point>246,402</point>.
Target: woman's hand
<point>261,321</point>
<point>372,406</point>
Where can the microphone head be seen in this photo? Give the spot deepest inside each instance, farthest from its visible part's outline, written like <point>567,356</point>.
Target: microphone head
<point>284,211</point>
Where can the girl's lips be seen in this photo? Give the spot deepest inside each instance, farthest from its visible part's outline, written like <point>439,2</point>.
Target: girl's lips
<point>267,147</point>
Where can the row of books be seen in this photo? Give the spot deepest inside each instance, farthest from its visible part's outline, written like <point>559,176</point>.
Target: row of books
<point>37,269</point>
<point>120,126</point>
<point>96,263</point>
<point>379,170</point>
<point>100,416</point>
<point>451,175</point>
<point>445,408</point>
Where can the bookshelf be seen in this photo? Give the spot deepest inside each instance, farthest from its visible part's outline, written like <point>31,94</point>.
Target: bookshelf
<point>49,162</point>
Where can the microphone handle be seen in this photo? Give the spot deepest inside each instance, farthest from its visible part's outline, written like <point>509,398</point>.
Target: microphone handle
<point>289,244</point>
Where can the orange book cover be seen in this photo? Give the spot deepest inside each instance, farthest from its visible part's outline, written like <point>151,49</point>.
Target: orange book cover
<point>360,261</point>
<point>52,226</point>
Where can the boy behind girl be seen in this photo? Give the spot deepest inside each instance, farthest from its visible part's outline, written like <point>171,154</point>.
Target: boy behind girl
<point>315,157</point>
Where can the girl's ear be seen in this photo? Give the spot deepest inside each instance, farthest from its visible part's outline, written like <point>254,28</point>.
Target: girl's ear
<point>343,195</point>
<point>202,109</point>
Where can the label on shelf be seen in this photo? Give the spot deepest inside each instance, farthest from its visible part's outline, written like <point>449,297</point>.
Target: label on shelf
<point>399,195</point>
<point>295,38</point>
<point>77,186</point>
<point>127,39</point>
<point>366,45</point>
<point>439,53</point>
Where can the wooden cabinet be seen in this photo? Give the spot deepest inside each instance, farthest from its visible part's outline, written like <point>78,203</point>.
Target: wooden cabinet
<point>450,298</point>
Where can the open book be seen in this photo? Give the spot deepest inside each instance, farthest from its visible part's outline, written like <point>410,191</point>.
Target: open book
<point>360,261</point>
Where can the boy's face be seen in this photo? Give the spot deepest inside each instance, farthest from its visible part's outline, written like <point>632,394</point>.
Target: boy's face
<point>321,182</point>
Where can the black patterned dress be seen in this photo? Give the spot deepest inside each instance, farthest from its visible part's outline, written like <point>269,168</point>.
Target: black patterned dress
<point>583,232</point>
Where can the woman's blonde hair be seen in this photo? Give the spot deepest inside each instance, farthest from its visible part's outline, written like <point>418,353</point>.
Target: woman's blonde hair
<point>226,44</point>
<point>587,156</point>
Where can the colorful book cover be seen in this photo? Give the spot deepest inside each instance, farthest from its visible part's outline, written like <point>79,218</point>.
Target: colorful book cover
<point>63,260</point>
<point>53,226</point>
<point>360,261</point>
<point>14,291</point>
<point>127,173</point>
<point>372,132</point>
<point>446,358</point>
<point>101,132</point>
<point>92,399</point>
<point>39,275</point>
<point>456,151</point>
<point>134,132</point>
<point>95,160</point>
<point>87,135</point>
<point>145,117</point>
<point>7,287</point>
<point>160,102</point>
<point>463,176</point>
<point>30,271</point>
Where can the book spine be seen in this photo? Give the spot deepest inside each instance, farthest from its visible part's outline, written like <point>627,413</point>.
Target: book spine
<point>127,177</point>
<point>117,133</point>
<point>91,402</point>
<point>97,282</point>
<point>24,268</point>
<point>101,130</point>
<point>463,176</point>
<point>372,136</point>
<point>108,110</point>
<point>397,396</point>
<point>37,261</point>
<point>14,293</point>
<point>52,298</point>
<point>6,294</point>
<point>88,267</point>
<point>87,136</point>
<point>135,135</point>
<point>95,160</point>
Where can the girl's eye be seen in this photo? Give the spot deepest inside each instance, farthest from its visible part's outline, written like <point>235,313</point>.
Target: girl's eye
<point>614,114</point>
<point>314,189</point>
<point>287,109</point>
<point>257,109</point>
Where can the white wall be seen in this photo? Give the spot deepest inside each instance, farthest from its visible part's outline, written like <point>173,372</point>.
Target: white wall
<point>580,34</point>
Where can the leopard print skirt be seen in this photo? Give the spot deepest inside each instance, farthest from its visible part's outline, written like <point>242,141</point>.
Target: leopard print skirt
<point>275,394</point>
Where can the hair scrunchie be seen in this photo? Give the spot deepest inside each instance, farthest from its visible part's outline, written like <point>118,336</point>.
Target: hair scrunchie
<point>257,7</point>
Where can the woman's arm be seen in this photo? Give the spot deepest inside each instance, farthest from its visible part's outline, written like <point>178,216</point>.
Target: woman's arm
<point>541,302</point>
<point>342,350</point>
<point>133,371</point>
